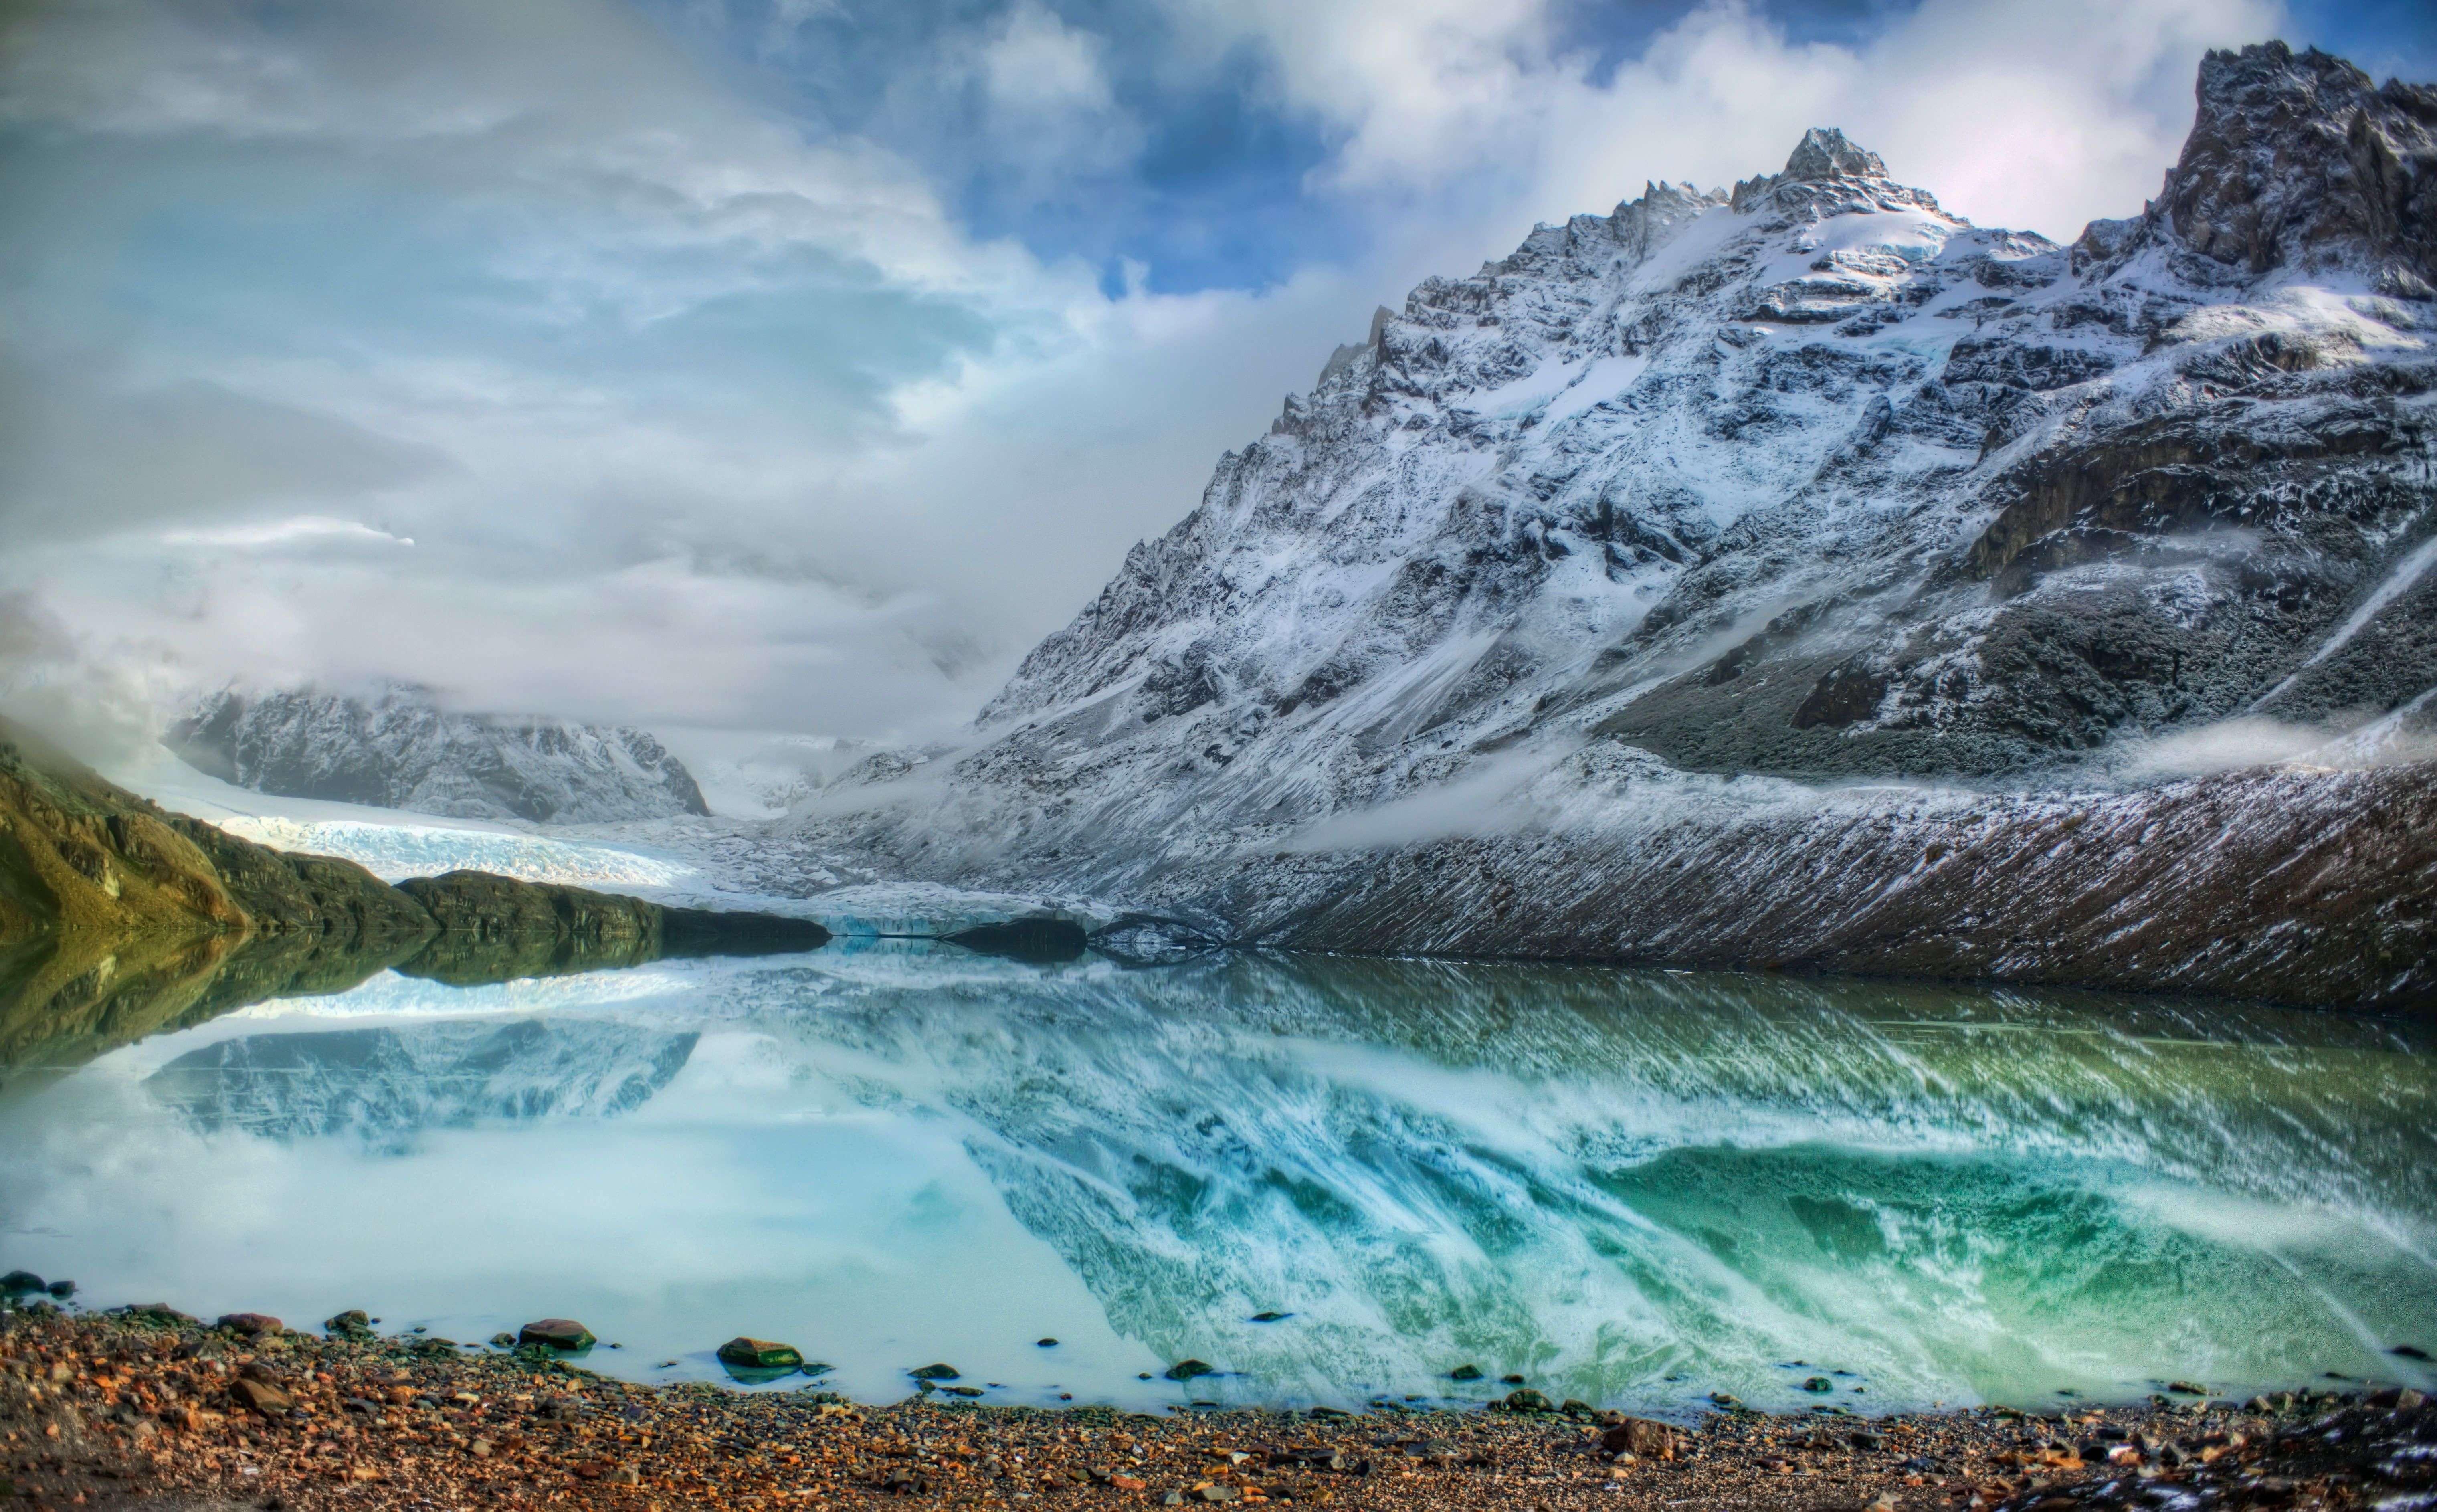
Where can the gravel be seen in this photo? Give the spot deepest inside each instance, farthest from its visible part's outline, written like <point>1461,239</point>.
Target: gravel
<point>104,1411</point>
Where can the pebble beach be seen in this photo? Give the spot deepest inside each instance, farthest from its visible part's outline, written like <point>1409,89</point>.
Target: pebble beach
<point>148,1408</point>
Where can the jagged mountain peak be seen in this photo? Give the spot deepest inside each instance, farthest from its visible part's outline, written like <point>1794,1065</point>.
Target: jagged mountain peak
<point>1825,153</point>
<point>2296,161</point>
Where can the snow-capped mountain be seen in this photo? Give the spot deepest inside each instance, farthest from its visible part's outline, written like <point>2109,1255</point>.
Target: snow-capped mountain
<point>1816,479</point>
<point>397,750</point>
<point>1606,560</point>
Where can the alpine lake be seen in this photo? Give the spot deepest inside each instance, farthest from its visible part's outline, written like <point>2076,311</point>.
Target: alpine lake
<point>1326,1180</point>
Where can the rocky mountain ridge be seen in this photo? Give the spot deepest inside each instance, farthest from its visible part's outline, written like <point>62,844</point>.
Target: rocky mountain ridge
<point>1680,521</point>
<point>398,749</point>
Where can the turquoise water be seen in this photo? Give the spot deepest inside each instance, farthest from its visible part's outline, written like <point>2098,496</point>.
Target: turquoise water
<point>1635,1187</point>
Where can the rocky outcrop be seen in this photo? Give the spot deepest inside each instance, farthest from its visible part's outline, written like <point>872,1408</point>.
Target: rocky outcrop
<point>119,920</point>
<point>2300,161</point>
<point>399,750</point>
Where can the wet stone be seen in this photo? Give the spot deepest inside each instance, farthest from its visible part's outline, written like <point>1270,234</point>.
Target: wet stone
<point>1191,1369</point>
<point>156,1313</point>
<point>937,1372</point>
<point>251,1324</point>
<point>759,1354</point>
<point>558,1333</point>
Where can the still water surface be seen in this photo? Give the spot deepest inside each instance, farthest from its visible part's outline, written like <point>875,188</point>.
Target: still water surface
<point>1631,1187</point>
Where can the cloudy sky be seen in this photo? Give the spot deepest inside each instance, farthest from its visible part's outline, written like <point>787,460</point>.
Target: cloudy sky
<point>793,365</point>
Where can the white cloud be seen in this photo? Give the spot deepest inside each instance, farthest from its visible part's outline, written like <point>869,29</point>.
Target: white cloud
<point>624,353</point>
<point>697,414</point>
<point>1417,89</point>
<point>1036,62</point>
<point>1035,94</point>
<point>2037,121</point>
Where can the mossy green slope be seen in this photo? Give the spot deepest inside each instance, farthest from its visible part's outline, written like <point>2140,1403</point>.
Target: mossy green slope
<point>120,920</point>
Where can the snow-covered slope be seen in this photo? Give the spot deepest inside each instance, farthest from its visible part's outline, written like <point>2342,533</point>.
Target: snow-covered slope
<point>397,750</point>
<point>1676,512</point>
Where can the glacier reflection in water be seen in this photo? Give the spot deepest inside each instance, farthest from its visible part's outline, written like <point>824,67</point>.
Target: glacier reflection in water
<point>1631,1187</point>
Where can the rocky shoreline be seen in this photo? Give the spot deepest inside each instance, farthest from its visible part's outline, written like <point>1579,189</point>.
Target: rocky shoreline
<point>144,1407</point>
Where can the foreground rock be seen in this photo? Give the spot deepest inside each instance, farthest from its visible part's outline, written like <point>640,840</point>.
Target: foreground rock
<point>119,919</point>
<point>759,1354</point>
<point>103,1412</point>
<point>557,1333</point>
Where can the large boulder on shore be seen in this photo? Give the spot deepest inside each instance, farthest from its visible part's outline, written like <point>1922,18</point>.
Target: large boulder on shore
<point>558,1333</point>
<point>759,1354</point>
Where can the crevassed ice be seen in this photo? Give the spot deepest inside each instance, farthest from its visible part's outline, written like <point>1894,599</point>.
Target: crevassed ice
<point>396,852</point>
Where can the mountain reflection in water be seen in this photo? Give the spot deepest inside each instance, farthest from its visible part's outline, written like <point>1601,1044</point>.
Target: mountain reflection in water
<point>1633,1187</point>
<point>386,1082</point>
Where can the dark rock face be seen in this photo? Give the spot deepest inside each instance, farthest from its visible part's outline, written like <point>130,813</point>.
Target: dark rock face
<point>2292,888</point>
<point>398,750</point>
<point>1044,940</point>
<point>1826,154</point>
<point>2303,162</point>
